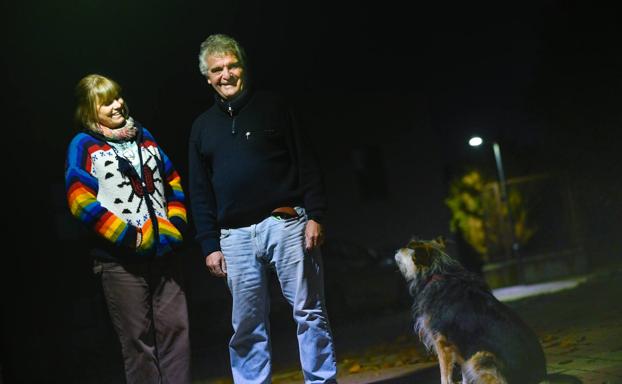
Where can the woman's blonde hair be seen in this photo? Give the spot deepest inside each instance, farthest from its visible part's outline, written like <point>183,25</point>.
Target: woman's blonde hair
<point>91,91</point>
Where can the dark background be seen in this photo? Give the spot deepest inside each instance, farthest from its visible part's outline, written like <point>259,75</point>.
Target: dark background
<point>390,95</point>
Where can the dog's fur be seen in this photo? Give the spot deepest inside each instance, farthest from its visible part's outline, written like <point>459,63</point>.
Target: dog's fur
<point>458,318</point>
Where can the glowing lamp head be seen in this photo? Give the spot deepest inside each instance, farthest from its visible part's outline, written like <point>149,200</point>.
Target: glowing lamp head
<point>475,141</point>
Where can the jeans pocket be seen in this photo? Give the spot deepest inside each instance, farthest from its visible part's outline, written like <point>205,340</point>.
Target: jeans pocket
<point>301,211</point>
<point>98,267</point>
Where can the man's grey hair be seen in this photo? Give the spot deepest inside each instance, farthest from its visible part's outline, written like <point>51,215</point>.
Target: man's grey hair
<point>220,44</point>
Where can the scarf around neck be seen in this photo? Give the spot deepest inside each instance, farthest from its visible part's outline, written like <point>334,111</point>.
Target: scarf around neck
<point>124,133</point>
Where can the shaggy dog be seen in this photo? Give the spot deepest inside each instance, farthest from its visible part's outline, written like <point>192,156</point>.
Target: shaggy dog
<point>457,316</point>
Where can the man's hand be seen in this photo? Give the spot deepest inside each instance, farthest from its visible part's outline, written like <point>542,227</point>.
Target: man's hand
<point>314,235</point>
<point>215,262</point>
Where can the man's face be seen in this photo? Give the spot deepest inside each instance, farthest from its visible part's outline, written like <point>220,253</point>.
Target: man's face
<point>225,74</point>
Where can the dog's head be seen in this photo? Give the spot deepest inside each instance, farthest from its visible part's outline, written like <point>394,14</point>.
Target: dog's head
<point>418,256</point>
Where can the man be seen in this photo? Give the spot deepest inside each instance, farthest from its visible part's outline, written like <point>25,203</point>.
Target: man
<point>258,201</point>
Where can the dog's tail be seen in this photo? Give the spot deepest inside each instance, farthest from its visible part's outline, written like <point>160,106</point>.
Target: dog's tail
<point>484,367</point>
<point>559,378</point>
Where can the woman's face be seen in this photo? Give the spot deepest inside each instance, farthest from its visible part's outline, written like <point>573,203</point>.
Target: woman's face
<point>111,115</point>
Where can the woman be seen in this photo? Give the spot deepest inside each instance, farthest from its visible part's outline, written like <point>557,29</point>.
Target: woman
<point>123,187</point>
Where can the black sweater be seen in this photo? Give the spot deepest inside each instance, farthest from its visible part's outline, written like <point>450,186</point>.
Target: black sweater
<point>247,157</point>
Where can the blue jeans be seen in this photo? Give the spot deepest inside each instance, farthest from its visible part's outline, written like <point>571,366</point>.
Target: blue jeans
<point>249,252</point>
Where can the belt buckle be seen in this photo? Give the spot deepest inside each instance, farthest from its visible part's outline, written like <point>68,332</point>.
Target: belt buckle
<point>284,213</point>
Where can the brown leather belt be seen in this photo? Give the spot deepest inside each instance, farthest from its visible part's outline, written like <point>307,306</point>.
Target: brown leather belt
<point>285,213</point>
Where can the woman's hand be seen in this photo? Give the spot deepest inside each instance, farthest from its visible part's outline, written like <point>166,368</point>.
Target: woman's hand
<point>139,237</point>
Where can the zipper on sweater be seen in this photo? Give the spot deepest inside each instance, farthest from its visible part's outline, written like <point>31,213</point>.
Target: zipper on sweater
<point>230,110</point>
<point>150,209</point>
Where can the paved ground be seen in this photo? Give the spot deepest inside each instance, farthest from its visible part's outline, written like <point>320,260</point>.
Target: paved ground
<point>578,320</point>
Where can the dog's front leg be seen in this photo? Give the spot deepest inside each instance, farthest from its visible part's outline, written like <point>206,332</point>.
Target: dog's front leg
<point>445,351</point>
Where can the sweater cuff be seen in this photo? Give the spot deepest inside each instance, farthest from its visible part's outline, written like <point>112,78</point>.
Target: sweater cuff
<point>315,216</point>
<point>180,224</point>
<point>210,245</point>
<point>129,240</point>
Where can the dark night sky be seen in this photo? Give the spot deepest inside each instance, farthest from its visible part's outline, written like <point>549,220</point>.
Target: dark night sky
<point>511,70</point>
<point>543,77</point>
<point>529,74</point>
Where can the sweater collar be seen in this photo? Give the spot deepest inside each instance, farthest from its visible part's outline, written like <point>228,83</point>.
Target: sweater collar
<point>232,107</point>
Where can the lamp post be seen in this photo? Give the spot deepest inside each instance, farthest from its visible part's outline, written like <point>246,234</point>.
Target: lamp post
<point>476,141</point>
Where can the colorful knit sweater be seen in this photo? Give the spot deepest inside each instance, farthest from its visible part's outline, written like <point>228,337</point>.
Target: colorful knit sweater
<point>106,193</point>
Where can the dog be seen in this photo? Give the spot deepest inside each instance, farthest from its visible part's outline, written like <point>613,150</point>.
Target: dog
<point>457,317</point>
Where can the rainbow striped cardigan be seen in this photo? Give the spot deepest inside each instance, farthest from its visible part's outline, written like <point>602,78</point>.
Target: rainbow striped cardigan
<point>106,194</point>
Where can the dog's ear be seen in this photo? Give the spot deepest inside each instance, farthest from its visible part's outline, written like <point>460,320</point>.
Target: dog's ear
<point>423,256</point>
<point>441,241</point>
<point>414,243</point>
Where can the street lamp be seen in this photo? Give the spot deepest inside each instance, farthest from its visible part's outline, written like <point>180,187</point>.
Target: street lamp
<point>476,141</point>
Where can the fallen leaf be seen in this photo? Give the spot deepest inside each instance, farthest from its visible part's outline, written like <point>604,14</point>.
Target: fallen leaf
<point>356,367</point>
